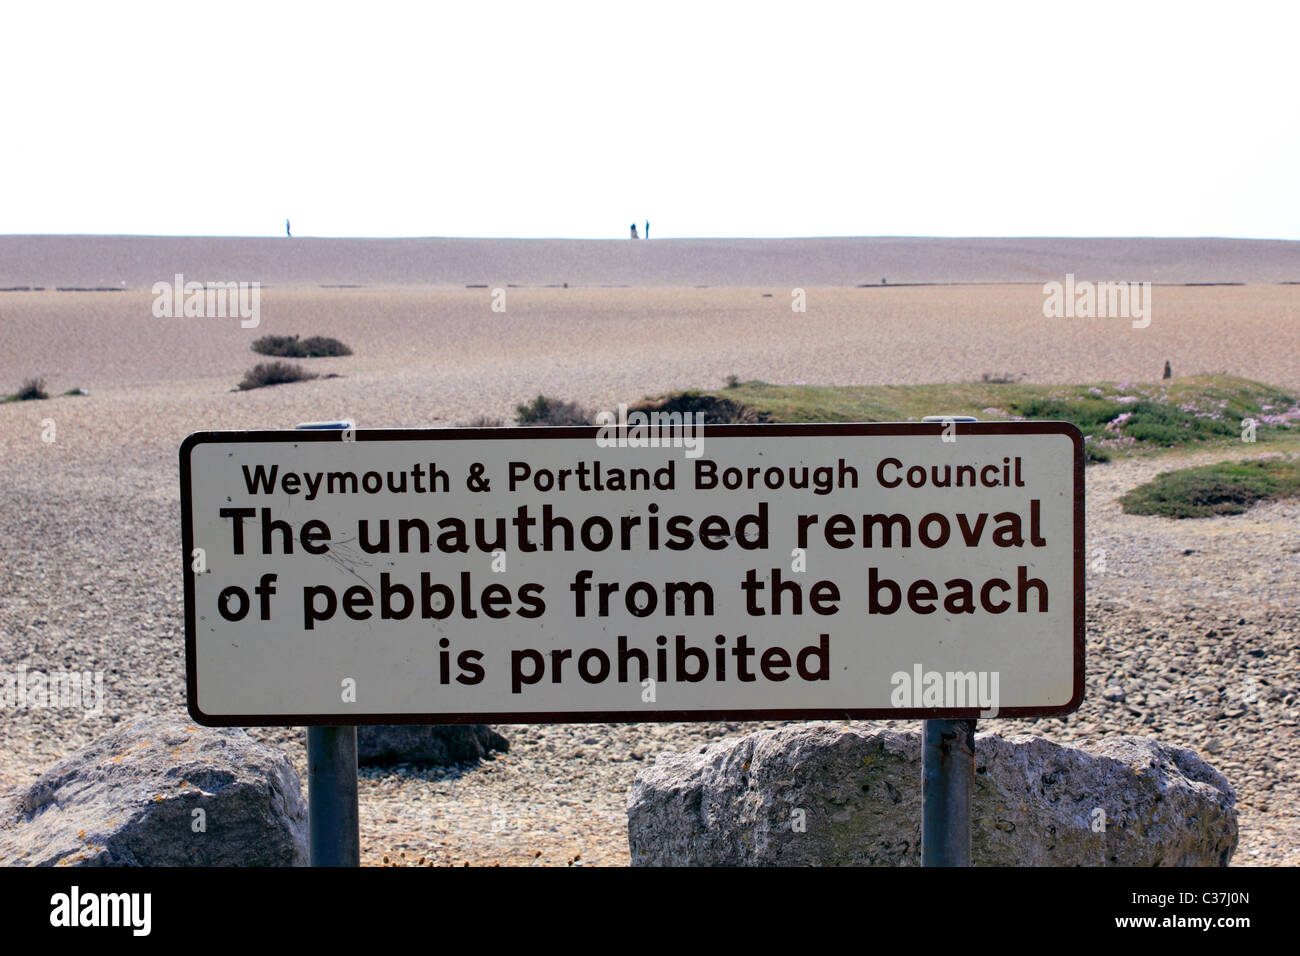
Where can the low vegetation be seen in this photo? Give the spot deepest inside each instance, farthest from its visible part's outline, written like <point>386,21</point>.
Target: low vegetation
<point>274,373</point>
<point>711,407</point>
<point>290,346</point>
<point>31,390</point>
<point>1115,418</point>
<point>1225,488</point>
<point>34,390</point>
<point>552,411</point>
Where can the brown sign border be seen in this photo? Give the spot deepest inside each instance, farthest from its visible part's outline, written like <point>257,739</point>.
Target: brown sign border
<point>874,430</point>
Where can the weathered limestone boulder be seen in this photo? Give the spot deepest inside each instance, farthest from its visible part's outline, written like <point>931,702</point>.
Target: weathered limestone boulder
<point>826,794</point>
<point>160,792</point>
<point>440,744</point>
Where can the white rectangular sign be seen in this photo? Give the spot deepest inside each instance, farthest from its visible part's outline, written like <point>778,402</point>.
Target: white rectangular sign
<point>569,574</point>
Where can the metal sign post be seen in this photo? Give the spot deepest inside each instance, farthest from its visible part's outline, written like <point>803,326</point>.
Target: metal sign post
<point>332,796</point>
<point>947,774</point>
<point>332,812</point>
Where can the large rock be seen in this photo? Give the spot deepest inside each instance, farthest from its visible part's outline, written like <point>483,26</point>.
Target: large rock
<point>441,744</point>
<point>130,797</point>
<point>826,794</point>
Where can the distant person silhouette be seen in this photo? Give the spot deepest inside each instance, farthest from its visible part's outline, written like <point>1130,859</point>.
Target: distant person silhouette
<point>286,229</point>
<point>1169,372</point>
<point>647,228</point>
<point>634,235</point>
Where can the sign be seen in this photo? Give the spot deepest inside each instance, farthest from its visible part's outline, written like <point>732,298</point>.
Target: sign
<point>624,574</point>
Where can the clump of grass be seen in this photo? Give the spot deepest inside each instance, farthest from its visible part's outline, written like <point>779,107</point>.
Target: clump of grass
<point>997,378</point>
<point>274,373</point>
<point>486,421</point>
<point>290,346</point>
<point>1117,419</point>
<point>552,411</point>
<point>1225,488</point>
<point>76,392</point>
<point>282,345</point>
<point>322,346</point>
<point>733,381</point>
<point>1166,425</point>
<point>1093,453</point>
<point>714,409</point>
<point>33,389</point>
<point>1148,423</point>
<point>1090,415</point>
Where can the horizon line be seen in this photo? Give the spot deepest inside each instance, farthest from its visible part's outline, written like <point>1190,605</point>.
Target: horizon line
<point>670,238</point>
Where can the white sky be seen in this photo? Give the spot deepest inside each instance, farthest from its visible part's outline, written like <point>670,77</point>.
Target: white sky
<point>575,119</point>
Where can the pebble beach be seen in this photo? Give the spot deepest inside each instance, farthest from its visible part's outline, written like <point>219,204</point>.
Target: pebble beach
<point>1193,626</point>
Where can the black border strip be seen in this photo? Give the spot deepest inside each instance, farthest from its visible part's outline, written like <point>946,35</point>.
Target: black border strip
<point>873,429</point>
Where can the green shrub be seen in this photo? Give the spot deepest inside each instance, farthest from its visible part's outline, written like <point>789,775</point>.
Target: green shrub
<point>1152,423</point>
<point>1167,425</point>
<point>1089,414</point>
<point>321,346</point>
<point>552,411</point>
<point>274,373</point>
<point>290,346</point>
<point>1226,488</point>
<point>33,389</point>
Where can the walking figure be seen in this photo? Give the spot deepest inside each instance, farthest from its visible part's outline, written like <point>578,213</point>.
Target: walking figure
<point>634,235</point>
<point>286,229</point>
<point>647,228</point>
<point>1169,372</point>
